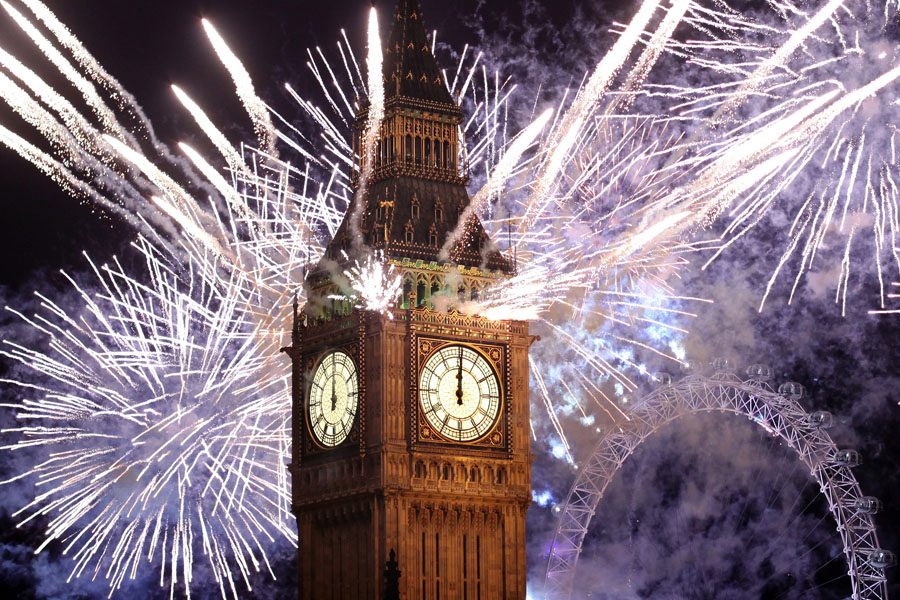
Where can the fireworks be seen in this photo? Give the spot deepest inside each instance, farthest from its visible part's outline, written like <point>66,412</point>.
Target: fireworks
<point>162,410</point>
<point>800,104</point>
<point>161,403</point>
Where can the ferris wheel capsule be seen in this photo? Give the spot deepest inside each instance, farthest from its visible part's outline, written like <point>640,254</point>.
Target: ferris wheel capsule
<point>791,389</point>
<point>847,458</point>
<point>663,378</point>
<point>821,419</point>
<point>759,372</point>
<point>869,505</point>
<point>720,364</point>
<point>882,559</point>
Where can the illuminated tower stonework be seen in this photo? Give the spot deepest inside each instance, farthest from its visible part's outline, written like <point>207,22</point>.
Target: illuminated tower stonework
<point>411,430</point>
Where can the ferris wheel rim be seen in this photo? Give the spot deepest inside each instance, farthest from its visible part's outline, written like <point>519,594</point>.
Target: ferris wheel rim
<point>776,413</point>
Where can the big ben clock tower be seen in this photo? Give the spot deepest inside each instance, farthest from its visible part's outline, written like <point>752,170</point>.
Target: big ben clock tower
<point>411,430</point>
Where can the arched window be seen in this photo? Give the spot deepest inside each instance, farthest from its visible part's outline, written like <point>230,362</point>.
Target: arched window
<point>415,210</point>
<point>418,150</point>
<point>428,152</point>
<point>474,475</point>
<point>409,148</point>
<point>437,153</point>
<point>409,235</point>
<point>447,472</point>
<point>446,155</point>
<point>420,294</point>
<point>435,290</point>
<point>501,476</point>
<point>439,213</point>
<point>420,469</point>
<point>407,290</point>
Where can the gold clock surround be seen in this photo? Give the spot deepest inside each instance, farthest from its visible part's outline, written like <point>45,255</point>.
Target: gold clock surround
<point>425,434</point>
<point>316,366</point>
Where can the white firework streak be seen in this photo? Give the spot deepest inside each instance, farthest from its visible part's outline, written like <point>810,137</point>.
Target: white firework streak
<point>245,90</point>
<point>161,406</point>
<point>839,181</point>
<point>162,416</point>
<point>376,284</point>
<point>185,354</point>
<point>373,124</point>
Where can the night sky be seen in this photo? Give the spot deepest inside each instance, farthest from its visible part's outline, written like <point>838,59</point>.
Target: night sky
<point>710,508</point>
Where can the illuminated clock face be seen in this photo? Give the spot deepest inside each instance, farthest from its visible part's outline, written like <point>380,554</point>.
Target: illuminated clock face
<point>459,393</point>
<point>333,398</point>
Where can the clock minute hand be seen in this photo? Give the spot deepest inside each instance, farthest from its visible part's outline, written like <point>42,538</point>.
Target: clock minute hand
<point>333,377</point>
<point>459,390</point>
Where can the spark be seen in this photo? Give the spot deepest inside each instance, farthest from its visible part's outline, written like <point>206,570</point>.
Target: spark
<point>375,117</point>
<point>159,404</point>
<point>256,108</point>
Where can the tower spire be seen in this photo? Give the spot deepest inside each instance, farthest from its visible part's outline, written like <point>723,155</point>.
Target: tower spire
<point>417,191</point>
<point>410,69</point>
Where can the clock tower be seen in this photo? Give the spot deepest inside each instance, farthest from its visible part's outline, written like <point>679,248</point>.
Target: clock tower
<point>411,429</point>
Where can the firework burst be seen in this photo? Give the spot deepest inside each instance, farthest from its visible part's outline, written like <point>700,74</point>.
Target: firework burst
<point>160,419</point>
<point>161,404</point>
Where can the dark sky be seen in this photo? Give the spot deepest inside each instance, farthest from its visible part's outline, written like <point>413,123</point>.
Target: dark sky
<point>851,366</point>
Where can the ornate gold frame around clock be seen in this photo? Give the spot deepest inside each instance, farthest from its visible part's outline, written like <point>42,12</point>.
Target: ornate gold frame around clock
<point>311,445</point>
<point>423,435</point>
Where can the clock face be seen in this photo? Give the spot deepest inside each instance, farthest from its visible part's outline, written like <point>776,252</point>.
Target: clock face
<point>333,398</point>
<point>459,393</point>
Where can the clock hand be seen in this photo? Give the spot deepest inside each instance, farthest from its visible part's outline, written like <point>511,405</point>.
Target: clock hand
<point>459,390</point>
<point>333,377</point>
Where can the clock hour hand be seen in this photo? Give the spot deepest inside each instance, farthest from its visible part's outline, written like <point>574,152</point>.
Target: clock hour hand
<point>459,390</point>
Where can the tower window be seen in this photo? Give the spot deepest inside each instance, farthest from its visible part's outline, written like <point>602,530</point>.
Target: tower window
<point>465,566</point>
<point>407,290</point>
<point>415,210</point>
<point>428,152</point>
<point>432,238</point>
<point>437,153</point>
<point>420,302</point>
<point>478,564</point>
<point>418,150</point>
<point>409,235</point>
<point>409,146</point>
<point>439,214</point>
<point>446,155</point>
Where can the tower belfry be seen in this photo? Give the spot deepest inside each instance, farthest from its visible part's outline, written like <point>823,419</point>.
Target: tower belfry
<point>418,190</point>
<point>410,431</point>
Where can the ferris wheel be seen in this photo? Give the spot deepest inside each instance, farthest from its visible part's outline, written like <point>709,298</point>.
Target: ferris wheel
<point>776,411</point>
